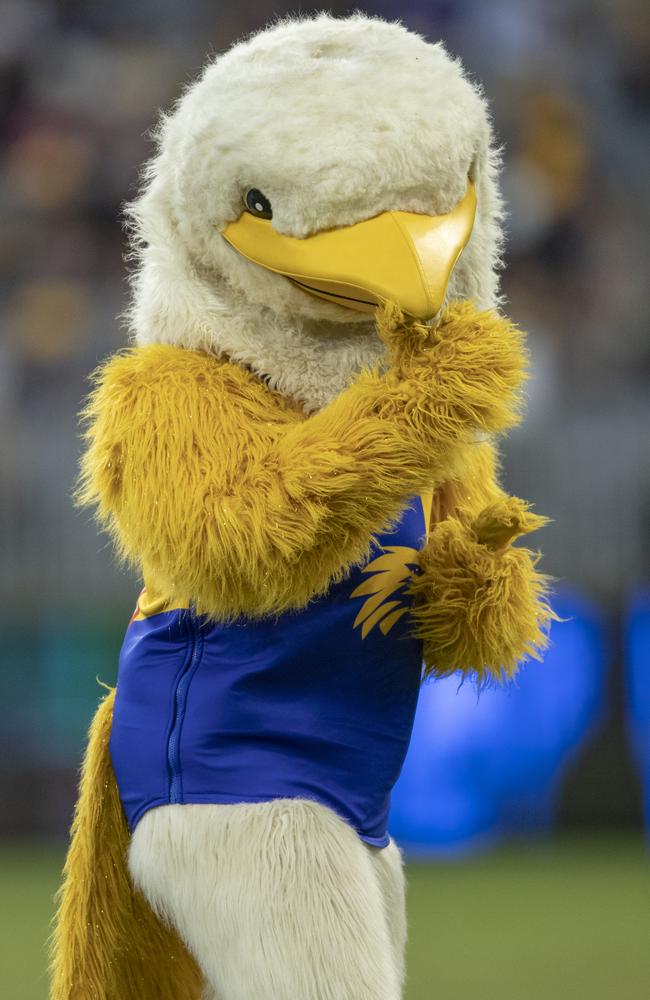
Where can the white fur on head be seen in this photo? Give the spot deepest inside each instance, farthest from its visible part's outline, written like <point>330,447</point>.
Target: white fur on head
<point>335,120</point>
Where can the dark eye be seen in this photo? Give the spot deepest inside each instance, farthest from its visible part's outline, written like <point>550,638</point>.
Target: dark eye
<point>258,204</point>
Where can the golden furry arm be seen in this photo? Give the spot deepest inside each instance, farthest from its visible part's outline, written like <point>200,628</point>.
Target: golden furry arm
<point>480,605</point>
<point>218,489</point>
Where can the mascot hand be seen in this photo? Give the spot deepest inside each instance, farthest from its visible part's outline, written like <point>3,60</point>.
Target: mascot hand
<point>465,373</point>
<point>480,605</point>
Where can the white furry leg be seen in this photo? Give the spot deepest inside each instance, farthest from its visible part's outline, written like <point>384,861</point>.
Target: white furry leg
<point>389,869</point>
<point>277,900</point>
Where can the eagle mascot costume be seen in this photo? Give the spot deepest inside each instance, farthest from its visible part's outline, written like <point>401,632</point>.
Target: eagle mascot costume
<point>298,455</point>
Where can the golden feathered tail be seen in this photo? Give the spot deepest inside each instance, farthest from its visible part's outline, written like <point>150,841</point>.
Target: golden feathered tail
<point>107,943</point>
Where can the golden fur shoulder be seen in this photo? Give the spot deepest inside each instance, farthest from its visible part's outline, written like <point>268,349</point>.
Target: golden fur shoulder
<point>218,488</point>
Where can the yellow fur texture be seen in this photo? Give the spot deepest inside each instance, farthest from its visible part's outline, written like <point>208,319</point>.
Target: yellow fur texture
<point>480,606</point>
<point>216,487</point>
<point>107,944</point>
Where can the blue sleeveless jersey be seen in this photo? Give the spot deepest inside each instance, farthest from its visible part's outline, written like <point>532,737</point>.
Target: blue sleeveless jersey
<point>316,704</point>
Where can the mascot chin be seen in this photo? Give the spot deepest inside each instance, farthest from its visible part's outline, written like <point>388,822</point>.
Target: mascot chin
<point>297,454</point>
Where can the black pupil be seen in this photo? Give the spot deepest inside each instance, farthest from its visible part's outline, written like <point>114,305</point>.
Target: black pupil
<point>258,204</point>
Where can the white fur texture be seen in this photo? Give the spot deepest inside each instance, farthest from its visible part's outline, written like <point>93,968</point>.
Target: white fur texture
<point>277,901</point>
<point>335,120</point>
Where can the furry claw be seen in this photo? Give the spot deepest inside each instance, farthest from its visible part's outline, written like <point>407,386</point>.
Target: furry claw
<point>503,521</point>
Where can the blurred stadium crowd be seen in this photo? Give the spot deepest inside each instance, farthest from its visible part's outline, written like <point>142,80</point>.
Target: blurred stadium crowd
<point>80,86</point>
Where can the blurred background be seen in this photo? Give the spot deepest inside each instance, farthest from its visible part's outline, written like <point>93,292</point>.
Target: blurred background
<point>522,812</point>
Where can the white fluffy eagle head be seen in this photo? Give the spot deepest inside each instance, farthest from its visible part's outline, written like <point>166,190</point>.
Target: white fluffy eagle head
<point>335,121</point>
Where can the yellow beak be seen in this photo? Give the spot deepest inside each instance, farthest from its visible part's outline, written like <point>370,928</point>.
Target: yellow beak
<point>398,256</point>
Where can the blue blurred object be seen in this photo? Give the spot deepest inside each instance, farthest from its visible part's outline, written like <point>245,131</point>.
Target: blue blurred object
<point>484,765</point>
<point>637,648</point>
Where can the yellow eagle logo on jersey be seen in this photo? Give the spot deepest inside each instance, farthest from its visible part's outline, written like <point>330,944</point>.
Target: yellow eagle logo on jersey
<point>390,571</point>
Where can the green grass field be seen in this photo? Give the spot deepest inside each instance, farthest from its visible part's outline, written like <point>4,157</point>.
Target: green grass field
<point>570,921</point>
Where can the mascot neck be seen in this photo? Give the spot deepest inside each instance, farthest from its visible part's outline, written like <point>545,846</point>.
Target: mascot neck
<point>311,361</point>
